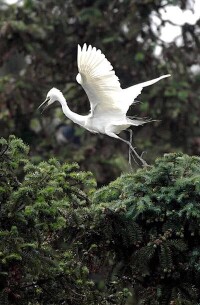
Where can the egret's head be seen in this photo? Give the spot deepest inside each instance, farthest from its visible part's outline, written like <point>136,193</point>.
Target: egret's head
<point>52,96</point>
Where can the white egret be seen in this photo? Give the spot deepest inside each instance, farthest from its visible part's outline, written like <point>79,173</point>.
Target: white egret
<point>109,103</point>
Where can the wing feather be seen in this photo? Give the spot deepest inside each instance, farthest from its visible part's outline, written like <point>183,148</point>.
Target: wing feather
<point>132,92</point>
<point>102,86</point>
<point>98,79</point>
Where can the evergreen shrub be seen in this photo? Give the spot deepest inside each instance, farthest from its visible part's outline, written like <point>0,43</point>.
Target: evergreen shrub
<point>38,207</point>
<point>135,241</point>
<point>152,223</point>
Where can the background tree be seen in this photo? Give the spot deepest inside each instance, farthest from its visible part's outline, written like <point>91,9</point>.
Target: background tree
<point>41,38</point>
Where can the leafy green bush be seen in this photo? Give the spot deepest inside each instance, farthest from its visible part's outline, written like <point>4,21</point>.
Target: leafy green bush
<point>152,223</point>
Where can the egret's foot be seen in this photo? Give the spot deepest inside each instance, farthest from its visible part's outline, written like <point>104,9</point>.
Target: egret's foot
<point>143,162</point>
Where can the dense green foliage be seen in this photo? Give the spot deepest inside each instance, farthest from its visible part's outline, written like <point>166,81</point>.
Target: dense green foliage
<point>46,228</point>
<point>62,242</point>
<point>152,223</point>
<point>38,46</point>
<point>38,204</point>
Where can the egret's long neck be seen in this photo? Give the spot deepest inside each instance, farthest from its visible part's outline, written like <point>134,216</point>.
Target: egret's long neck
<point>76,118</point>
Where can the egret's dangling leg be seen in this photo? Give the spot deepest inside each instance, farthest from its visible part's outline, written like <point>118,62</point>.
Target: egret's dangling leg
<point>111,134</point>
<point>129,151</point>
<point>130,154</point>
<point>143,162</point>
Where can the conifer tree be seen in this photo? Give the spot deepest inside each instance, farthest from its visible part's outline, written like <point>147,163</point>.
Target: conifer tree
<point>63,242</point>
<point>152,222</point>
<point>41,208</point>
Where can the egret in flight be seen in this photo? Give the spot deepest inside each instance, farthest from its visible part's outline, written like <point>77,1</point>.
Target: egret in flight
<point>109,103</point>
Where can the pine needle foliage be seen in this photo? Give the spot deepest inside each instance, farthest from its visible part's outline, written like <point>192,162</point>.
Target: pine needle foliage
<point>153,227</point>
<point>135,241</point>
<point>41,207</point>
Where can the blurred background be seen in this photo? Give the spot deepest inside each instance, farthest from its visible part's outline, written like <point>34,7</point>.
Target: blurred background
<point>143,39</point>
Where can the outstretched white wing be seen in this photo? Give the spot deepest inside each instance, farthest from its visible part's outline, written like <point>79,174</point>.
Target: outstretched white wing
<point>98,79</point>
<point>132,92</point>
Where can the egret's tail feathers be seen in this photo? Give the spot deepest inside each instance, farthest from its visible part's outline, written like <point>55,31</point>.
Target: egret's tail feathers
<point>138,121</point>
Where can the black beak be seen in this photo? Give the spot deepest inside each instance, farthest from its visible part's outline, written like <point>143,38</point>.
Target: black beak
<point>46,101</point>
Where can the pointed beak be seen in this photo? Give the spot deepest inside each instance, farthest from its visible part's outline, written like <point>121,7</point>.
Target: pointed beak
<point>46,101</point>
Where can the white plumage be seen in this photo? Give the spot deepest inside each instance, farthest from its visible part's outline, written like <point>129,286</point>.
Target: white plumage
<point>109,103</point>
